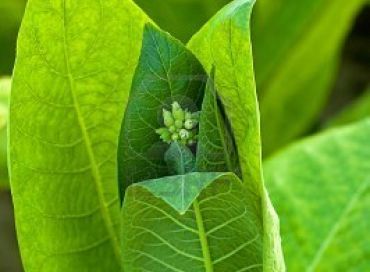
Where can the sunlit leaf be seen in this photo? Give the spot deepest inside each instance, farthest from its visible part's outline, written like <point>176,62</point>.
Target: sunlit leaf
<point>321,190</point>
<point>71,81</point>
<point>224,43</point>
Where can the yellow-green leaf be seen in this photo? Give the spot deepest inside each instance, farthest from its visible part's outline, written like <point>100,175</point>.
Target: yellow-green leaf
<point>71,81</point>
<point>224,43</point>
<point>321,190</point>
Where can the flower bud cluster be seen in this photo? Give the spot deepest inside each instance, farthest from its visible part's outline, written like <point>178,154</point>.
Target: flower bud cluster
<point>180,125</point>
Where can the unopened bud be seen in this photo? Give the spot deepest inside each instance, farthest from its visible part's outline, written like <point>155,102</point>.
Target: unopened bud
<point>168,118</point>
<point>177,112</point>
<point>190,124</point>
<point>178,124</point>
<point>172,129</point>
<point>175,137</point>
<point>184,134</point>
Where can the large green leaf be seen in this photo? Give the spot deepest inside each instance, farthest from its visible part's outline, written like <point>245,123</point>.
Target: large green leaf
<point>321,190</point>
<point>166,72</point>
<point>72,77</point>
<point>182,18</point>
<point>194,222</point>
<point>5,83</point>
<point>215,149</point>
<point>224,42</point>
<point>357,110</point>
<point>295,51</point>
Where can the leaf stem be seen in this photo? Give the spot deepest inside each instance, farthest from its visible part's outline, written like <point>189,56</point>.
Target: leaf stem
<point>203,238</point>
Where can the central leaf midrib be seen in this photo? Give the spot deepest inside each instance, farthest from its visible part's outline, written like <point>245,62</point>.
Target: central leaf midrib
<point>203,237</point>
<point>94,166</point>
<point>336,227</point>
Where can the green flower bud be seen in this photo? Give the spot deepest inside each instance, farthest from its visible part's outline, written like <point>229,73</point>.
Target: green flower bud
<point>172,129</point>
<point>175,137</point>
<point>164,134</point>
<point>190,123</point>
<point>178,124</point>
<point>177,112</point>
<point>184,134</point>
<point>160,131</point>
<point>168,118</point>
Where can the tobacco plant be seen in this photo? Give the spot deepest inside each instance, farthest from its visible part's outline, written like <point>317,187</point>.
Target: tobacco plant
<point>130,151</point>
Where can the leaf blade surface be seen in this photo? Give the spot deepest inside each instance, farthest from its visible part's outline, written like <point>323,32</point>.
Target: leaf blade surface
<point>219,232</point>
<point>72,75</point>
<point>320,187</point>
<point>167,72</point>
<point>225,43</point>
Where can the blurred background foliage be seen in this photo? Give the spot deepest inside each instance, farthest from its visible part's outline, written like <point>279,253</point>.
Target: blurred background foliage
<point>312,64</point>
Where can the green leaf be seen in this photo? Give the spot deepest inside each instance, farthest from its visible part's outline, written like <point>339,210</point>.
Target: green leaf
<point>216,150</point>
<point>182,18</point>
<point>72,78</point>
<point>221,229</point>
<point>224,42</point>
<point>180,191</point>
<point>179,158</point>
<point>321,190</point>
<point>5,84</point>
<point>166,72</point>
<point>357,110</point>
<point>296,50</point>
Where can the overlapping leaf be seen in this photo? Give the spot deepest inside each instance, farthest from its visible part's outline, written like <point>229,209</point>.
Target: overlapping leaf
<point>321,190</point>
<point>166,72</point>
<point>220,231</point>
<point>224,43</point>
<point>72,77</point>
<point>179,158</point>
<point>216,151</point>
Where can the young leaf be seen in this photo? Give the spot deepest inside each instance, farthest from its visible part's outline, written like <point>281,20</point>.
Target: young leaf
<point>194,222</point>
<point>166,72</point>
<point>4,100</point>
<point>73,72</point>
<point>224,42</point>
<point>179,158</point>
<point>359,109</point>
<point>296,52</point>
<point>321,190</point>
<point>215,149</point>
